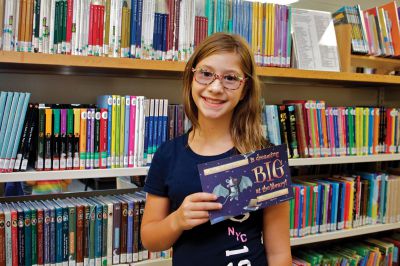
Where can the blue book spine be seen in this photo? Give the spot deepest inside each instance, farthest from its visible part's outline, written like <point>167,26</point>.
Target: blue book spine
<point>3,97</point>
<point>139,28</point>
<point>164,121</point>
<point>127,126</point>
<point>65,233</point>
<point>146,155</point>
<point>321,209</point>
<point>335,198</point>
<point>371,130</point>
<point>98,242</point>
<point>12,141</point>
<point>151,129</point>
<point>134,7</point>
<point>52,234</point>
<point>129,246</point>
<point>46,235</point>
<point>317,213</point>
<point>160,123</point>
<point>58,234</point>
<point>336,131</point>
<point>301,202</point>
<point>8,129</point>
<point>155,126</point>
<point>164,35</point>
<point>20,127</point>
<point>155,32</point>
<point>4,118</point>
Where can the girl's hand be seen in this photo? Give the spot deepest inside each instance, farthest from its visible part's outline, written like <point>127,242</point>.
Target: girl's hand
<point>194,210</point>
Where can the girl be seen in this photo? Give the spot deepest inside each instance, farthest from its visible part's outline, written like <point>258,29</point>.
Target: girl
<point>222,99</point>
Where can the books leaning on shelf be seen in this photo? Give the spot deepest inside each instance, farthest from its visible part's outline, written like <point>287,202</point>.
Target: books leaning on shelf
<point>13,106</point>
<point>118,132</point>
<point>343,202</point>
<point>146,29</point>
<point>313,129</point>
<point>374,31</point>
<point>98,230</point>
<point>370,251</point>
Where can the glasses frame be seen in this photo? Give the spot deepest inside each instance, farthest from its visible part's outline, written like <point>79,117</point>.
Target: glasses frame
<point>217,76</point>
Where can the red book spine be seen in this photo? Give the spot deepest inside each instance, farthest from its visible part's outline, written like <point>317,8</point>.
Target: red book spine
<point>2,239</point>
<point>95,29</point>
<point>101,28</point>
<point>14,237</point>
<point>90,40</point>
<point>40,237</point>
<point>69,25</point>
<point>103,138</point>
<point>388,130</point>
<point>79,234</point>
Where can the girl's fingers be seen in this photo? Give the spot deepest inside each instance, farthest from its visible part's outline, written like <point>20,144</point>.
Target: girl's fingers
<point>202,196</point>
<point>206,206</point>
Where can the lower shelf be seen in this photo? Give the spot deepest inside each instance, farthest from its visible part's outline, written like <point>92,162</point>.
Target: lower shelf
<point>343,233</point>
<point>303,240</point>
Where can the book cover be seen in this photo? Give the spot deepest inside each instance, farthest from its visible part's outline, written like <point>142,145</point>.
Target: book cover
<point>247,182</point>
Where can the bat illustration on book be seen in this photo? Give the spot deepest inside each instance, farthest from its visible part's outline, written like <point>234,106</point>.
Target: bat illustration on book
<point>232,189</point>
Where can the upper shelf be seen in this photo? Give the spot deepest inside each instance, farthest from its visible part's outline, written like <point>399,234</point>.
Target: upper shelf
<point>86,65</point>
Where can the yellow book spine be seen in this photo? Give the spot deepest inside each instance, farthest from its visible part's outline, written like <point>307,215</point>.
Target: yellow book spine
<point>265,48</point>
<point>122,132</point>
<point>117,131</point>
<point>260,32</point>
<point>351,205</point>
<point>82,139</point>
<point>48,134</point>
<point>113,130</point>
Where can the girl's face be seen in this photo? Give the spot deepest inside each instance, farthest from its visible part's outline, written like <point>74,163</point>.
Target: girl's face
<point>217,100</point>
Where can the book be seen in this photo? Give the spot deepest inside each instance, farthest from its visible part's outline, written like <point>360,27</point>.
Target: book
<point>247,182</point>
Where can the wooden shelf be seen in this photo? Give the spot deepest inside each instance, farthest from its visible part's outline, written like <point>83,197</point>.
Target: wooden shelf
<point>344,159</point>
<point>15,62</point>
<point>100,173</point>
<point>71,174</point>
<point>363,230</point>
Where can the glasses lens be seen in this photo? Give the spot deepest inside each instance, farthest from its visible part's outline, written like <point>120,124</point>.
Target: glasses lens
<point>231,82</point>
<point>204,77</point>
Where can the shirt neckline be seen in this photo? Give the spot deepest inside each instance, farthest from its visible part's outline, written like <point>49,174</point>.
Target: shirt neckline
<point>199,156</point>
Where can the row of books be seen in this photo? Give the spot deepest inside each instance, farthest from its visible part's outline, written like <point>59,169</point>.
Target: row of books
<point>375,31</point>
<point>371,251</point>
<point>343,202</point>
<point>121,131</point>
<point>101,230</point>
<point>13,106</point>
<point>312,129</point>
<point>153,29</point>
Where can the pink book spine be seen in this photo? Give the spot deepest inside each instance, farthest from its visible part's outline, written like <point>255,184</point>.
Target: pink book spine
<point>131,146</point>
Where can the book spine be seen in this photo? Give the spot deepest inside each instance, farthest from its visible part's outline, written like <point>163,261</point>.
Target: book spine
<point>103,137</point>
<point>70,138</point>
<point>76,138</point>
<point>63,133</point>
<point>82,139</point>
<point>47,138</point>
<point>96,148</point>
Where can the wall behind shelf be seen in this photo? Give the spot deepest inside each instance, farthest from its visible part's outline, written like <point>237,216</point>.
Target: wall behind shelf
<point>84,89</point>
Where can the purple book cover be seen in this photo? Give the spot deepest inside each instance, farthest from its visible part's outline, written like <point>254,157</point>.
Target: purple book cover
<point>247,182</point>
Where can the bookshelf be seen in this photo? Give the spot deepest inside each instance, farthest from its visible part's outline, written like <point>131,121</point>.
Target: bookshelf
<point>72,66</point>
<point>363,230</point>
<point>16,62</point>
<point>101,173</point>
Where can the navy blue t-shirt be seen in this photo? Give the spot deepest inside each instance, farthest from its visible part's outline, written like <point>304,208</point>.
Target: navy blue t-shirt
<point>173,173</point>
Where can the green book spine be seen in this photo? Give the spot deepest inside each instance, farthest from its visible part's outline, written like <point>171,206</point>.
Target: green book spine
<point>56,139</point>
<point>117,132</point>
<point>291,204</point>
<point>40,144</point>
<point>308,211</point>
<point>104,238</point>
<point>122,132</point>
<point>92,231</point>
<point>34,236</point>
<point>70,138</point>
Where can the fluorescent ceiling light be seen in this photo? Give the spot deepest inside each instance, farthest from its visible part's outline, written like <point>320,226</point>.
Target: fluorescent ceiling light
<point>281,2</point>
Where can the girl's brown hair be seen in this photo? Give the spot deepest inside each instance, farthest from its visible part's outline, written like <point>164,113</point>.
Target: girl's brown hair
<point>245,128</point>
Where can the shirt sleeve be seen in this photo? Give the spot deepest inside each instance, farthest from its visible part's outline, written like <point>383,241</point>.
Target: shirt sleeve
<point>155,180</point>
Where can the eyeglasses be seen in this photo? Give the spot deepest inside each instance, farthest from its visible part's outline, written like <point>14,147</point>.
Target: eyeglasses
<point>229,81</point>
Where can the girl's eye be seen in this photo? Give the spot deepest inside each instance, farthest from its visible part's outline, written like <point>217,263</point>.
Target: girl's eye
<point>207,73</point>
<point>231,78</point>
